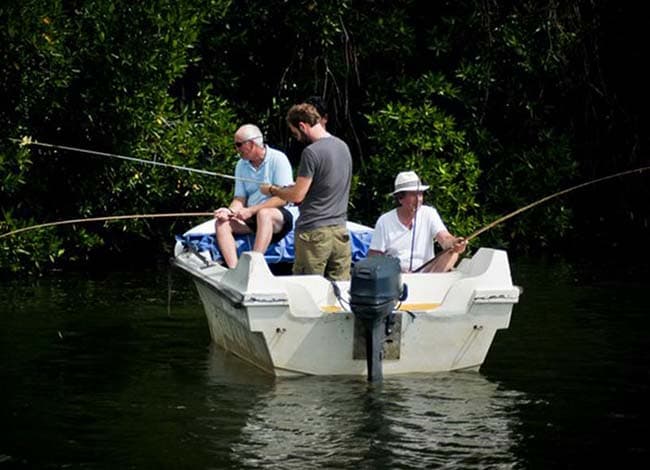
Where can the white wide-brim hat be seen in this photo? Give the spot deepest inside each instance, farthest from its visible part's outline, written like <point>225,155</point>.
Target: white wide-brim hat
<point>408,181</point>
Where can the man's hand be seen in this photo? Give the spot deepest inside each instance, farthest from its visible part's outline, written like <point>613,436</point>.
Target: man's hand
<point>223,213</point>
<point>244,213</point>
<point>459,245</point>
<point>266,189</point>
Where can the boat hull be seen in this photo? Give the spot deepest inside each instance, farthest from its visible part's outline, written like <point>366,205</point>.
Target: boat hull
<point>295,325</point>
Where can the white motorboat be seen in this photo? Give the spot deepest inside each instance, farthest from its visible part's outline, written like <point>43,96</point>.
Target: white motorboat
<point>304,325</point>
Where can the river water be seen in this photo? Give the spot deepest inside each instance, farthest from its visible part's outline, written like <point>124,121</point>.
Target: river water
<point>100,370</point>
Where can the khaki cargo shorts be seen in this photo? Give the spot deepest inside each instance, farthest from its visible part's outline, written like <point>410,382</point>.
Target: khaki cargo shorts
<point>325,251</point>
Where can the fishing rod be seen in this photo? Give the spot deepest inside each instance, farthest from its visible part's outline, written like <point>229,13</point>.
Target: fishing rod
<point>29,141</point>
<point>533,204</point>
<point>112,218</point>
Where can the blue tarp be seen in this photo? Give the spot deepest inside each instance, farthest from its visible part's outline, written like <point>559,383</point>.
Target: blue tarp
<point>202,239</point>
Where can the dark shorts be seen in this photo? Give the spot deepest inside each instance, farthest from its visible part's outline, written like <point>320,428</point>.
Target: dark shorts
<point>286,226</point>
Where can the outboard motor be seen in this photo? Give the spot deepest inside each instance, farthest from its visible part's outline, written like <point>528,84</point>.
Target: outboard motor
<point>375,288</point>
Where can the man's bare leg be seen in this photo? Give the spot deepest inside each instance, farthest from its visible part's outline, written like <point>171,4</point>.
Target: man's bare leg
<point>269,221</point>
<point>226,241</point>
<point>442,263</point>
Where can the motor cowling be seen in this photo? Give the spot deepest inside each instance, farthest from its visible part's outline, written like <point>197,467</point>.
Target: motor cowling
<point>375,288</point>
<point>376,285</point>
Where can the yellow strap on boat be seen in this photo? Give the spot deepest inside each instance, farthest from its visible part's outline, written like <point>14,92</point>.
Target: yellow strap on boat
<point>417,307</point>
<point>331,309</point>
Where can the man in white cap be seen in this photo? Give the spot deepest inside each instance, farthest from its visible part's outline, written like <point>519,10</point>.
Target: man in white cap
<point>407,232</point>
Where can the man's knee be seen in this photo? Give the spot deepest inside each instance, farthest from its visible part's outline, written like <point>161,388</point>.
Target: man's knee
<point>269,216</point>
<point>262,214</point>
<point>222,225</point>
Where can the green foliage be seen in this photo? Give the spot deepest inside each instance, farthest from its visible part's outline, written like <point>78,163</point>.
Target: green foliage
<point>15,162</point>
<point>423,138</point>
<point>511,188</point>
<point>493,104</point>
<point>509,65</point>
<point>199,136</point>
<point>98,76</point>
<point>29,253</point>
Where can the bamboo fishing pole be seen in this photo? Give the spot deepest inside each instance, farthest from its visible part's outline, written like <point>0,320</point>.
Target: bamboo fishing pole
<point>112,218</point>
<point>28,141</point>
<point>534,204</point>
<point>25,141</point>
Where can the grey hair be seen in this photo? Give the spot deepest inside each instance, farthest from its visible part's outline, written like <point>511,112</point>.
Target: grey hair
<point>251,132</point>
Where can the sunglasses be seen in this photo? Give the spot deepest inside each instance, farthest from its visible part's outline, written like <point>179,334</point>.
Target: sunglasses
<point>239,144</point>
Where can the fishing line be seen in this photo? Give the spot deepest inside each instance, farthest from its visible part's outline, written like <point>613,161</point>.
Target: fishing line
<point>105,219</point>
<point>536,203</point>
<point>169,291</point>
<point>28,141</point>
<point>415,218</point>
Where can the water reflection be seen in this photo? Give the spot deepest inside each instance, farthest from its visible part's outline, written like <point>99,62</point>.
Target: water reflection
<point>96,373</point>
<point>451,420</point>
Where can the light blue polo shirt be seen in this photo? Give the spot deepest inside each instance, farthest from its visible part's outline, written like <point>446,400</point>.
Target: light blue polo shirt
<point>275,169</point>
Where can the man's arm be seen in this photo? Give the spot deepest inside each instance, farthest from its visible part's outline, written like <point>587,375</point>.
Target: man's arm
<point>237,203</point>
<point>449,242</point>
<point>281,175</point>
<point>269,203</point>
<point>295,193</point>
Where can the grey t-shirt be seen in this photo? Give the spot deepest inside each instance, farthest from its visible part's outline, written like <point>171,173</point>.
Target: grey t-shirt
<point>328,163</point>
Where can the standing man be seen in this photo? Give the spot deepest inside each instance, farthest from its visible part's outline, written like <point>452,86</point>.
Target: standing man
<point>322,241</point>
<point>251,211</point>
